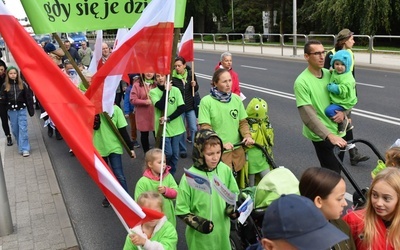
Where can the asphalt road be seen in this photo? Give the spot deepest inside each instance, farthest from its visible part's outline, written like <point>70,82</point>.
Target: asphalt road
<point>376,119</point>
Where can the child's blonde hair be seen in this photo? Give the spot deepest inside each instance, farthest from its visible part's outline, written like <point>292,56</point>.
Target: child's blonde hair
<point>392,157</point>
<point>146,197</point>
<point>150,156</point>
<point>391,176</point>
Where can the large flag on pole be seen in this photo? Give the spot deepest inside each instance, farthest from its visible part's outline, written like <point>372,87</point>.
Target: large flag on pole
<point>71,111</point>
<point>186,45</point>
<point>95,62</point>
<point>147,47</point>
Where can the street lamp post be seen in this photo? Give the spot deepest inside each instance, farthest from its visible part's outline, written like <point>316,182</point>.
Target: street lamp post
<point>233,18</point>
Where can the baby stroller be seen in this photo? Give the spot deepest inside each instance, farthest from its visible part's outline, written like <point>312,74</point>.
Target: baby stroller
<point>359,196</point>
<point>278,181</point>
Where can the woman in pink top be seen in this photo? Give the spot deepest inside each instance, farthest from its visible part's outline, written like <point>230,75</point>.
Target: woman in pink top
<point>144,109</point>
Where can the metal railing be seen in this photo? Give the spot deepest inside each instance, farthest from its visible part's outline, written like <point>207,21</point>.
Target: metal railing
<point>258,40</point>
<point>263,41</point>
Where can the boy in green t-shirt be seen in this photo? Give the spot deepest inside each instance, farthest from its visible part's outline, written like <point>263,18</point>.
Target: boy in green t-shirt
<point>173,119</point>
<point>206,215</point>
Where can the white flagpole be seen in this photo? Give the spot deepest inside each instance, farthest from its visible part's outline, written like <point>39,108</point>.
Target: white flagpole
<point>164,128</point>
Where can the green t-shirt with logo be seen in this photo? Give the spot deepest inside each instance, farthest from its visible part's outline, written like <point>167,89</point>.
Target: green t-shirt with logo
<point>176,126</point>
<point>310,90</point>
<point>104,139</point>
<point>224,117</point>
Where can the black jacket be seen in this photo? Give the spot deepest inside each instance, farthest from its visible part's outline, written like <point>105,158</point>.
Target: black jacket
<point>16,98</point>
<point>186,89</point>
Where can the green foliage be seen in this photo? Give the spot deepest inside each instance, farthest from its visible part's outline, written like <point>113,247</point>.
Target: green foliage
<point>247,13</point>
<point>361,16</point>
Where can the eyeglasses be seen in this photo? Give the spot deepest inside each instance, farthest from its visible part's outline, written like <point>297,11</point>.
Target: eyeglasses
<point>319,53</point>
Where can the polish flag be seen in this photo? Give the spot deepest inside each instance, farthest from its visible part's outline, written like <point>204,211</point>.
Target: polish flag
<point>147,47</point>
<point>72,113</point>
<point>186,45</point>
<point>120,34</point>
<point>96,59</point>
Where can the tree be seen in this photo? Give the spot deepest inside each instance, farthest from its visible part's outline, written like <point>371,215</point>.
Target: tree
<point>247,13</point>
<point>202,12</point>
<point>361,16</point>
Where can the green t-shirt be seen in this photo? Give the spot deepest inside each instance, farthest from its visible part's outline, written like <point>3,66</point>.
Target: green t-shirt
<point>347,87</point>
<point>191,200</point>
<point>104,139</point>
<point>310,90</point>
<point>164,233</point>
<point>224,117</point>
<point>145,184</point>
<point>176,126</point>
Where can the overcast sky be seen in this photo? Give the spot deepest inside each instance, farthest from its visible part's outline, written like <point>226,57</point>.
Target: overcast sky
<point>16,8</point>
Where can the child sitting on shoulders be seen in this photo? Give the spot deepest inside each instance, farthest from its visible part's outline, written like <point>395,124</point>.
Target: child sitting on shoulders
<point>151,182</point>
<point>155,234</point>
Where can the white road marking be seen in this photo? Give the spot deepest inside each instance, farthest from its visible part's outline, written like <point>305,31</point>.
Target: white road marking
<point>371,85</point>
<point>252,67</point>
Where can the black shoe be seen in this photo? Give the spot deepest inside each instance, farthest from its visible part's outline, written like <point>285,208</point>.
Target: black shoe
<point>136,144</point>
<point>183,155</point>
<point>105,203</point>
<point>356,157</point>
<point>49,131</point>
<point>58,135</point>
<point>9,140</point>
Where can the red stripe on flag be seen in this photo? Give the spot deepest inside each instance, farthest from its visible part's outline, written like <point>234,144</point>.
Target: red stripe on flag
<point>187,51</point>
<point>149,50</point>
<point>72,113</point>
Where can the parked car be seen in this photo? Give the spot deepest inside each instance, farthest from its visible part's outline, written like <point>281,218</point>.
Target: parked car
<point>76,38</point>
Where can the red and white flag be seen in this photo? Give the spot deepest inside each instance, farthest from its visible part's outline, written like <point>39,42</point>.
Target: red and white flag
<point>120,34</point>
<point>72,113</point>
<point>186,45</point>
<point>147,47</point>
<point>95,62</point>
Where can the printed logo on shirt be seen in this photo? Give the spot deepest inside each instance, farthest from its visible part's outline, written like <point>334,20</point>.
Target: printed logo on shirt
<point>171,100</point>
<point>234,113</point>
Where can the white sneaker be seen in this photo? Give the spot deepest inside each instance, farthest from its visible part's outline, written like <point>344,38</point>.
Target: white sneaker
<point>25,153</point>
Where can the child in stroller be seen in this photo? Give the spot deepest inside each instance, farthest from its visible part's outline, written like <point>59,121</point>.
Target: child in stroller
<point>275,183</point>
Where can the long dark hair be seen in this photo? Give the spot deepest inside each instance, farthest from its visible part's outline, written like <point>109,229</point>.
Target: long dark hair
<point>317,181</point>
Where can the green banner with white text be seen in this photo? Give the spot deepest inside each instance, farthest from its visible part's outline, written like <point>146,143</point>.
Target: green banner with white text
<point>48,16</point>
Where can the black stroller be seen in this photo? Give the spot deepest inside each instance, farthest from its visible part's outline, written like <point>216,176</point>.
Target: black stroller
<point>278,181</point>
<point>359,196</point>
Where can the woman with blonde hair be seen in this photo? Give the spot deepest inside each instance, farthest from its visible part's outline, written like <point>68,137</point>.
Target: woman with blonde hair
<point>377,226</point>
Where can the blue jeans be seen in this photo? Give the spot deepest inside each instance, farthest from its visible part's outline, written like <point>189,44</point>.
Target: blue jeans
<point>172,151</point>
<point>115,163</point>
<point>19,128</point>
<point>190,120</point>
<point>330,110</point>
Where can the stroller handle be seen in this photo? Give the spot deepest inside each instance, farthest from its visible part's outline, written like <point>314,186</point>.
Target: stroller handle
<point>337,151</point>
<point>271,162</point>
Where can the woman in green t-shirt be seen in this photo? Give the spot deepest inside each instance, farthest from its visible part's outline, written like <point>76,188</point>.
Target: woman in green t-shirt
<point>225,114</point>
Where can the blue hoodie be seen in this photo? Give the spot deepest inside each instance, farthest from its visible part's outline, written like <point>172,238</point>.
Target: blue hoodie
<point>344,57</point>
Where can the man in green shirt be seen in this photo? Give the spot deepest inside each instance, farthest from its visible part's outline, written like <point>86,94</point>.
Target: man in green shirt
<point>312,97</point>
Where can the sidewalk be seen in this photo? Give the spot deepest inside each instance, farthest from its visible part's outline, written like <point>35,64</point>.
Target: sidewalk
<point>362,59</point>
<point>38,211</point>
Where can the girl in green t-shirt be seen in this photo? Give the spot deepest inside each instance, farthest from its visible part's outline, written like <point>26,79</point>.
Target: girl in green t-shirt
<point>155,234</point>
